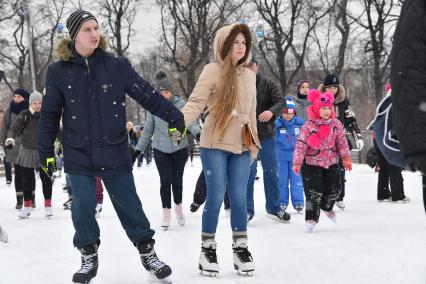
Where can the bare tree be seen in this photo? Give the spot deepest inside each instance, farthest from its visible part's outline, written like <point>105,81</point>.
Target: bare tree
<point>188,29</point>
<point>120,15</point>
<point>378,19</point>
<point>291,23</point>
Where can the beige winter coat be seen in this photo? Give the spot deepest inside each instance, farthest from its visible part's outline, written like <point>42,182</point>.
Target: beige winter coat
<point>204,95</point>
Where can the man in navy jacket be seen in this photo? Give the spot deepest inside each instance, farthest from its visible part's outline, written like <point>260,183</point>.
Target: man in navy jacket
<point>87,88</point>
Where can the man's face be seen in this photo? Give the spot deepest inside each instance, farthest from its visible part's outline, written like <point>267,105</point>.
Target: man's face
<point>88,36</point>
<point>332,89</point>
<point>18,98</point>
<point>36,105</point>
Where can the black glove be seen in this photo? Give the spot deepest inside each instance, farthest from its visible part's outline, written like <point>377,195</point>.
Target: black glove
<point>135,155</point>
<point>416,163</point>
<point>48,165</point>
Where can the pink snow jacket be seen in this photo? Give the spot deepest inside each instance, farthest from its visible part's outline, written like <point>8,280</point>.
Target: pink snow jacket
<point>321,142</point>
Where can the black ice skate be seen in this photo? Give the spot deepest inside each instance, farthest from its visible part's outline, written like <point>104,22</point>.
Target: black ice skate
<point>151,262</point>
<point>67,204</point>
<point>208,260</point>
<point>194,207</point>
<point>280,215</point>
<point>243,261</point>
<point>89,264</point>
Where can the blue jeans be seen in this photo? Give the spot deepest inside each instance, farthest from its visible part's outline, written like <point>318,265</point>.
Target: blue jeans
<point>122,191</point>
<point>286,176</point>
<point>270,178</point>
<point>223,168</point>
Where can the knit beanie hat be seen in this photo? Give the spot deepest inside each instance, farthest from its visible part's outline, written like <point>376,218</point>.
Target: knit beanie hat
<point>162,83</point>
<point>23,93</point>
<point>76,20</point>
<point>318,101</point>
<point>291,107</point>
<point>331,80</point>
<point>36,96</point>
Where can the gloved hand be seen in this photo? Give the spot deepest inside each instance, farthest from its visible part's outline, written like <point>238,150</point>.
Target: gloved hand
<point>177,134</point>
<point>48,165</point>
<point>359,143</point>
<point>347,163</point>
<point>197,137</point>
<point>416,163</point>
<point>135,155</point>
<point>296,169</point>
<point>9,143</point>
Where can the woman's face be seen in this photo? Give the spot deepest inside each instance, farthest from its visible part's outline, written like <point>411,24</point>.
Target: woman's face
<point>304,88</point>
<point>238,48</point>
<point>332,89</point>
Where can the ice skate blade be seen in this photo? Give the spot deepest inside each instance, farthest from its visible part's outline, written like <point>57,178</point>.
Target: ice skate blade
<point>208,273</point>
<point>165,228</point>
<point>246,273</point>
<point>275,218</point>
<point>165,280</point>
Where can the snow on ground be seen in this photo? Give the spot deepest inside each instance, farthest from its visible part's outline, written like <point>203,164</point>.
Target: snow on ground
<point>372,242</point>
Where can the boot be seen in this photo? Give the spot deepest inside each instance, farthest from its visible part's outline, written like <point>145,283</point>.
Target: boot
<point>310,225</point>
<point>179,214</point>
<point>208,258</point>
<point>19,201</point>
<point>89,264</point>
<point>151,262</point>
<point>194,207</point>
<point>332,216</point>
<point>243,261</point>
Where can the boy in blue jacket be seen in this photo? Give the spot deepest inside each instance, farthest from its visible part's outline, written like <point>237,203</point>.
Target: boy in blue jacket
<point>287,129</point>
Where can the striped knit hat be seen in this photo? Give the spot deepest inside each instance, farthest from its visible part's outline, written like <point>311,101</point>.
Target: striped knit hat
<point>76,20</point>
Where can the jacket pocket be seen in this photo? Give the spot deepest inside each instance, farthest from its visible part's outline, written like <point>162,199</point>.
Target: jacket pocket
<point>116,140</point>
<point>75,141</point>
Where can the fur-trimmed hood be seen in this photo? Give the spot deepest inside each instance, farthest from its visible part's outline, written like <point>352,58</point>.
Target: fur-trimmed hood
<point>341,93</point>
<point>222,41</point>
<point>64,50</point>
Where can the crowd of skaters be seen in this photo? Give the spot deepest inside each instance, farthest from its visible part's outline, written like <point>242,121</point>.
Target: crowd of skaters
<point>300,141</point>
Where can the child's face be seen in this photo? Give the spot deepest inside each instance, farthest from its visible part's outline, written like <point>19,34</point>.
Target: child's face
<point>325,112</point>
<point>304,88</point>
<point>288,116</point>
<point>332,89</point>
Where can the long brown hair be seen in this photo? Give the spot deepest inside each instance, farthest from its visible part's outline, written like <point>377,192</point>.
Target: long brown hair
<point>228,89</point>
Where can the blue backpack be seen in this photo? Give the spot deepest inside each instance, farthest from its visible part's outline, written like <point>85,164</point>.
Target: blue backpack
<point>385,134</point>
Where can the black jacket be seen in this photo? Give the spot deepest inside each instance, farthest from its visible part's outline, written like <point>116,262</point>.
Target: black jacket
<point>25,126</point>
<point>268,97</point>
<point>408,78</point>
<point>89,95</point>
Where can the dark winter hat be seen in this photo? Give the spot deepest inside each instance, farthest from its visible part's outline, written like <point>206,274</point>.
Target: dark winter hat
<point>162,83</point>
<point>331,80</point>
<point>76,20</point>
<point>22,92</point>
<point>35,96</point>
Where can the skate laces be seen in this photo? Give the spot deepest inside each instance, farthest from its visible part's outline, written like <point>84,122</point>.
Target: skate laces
<point>87,263</point>
<point>243,254</point>
<point>152,260</point>
<point>210,253</point>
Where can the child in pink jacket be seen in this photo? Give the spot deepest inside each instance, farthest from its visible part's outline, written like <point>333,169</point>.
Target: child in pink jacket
<point>320,144</point>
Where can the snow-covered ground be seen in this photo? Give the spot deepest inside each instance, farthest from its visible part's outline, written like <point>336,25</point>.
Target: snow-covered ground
<point>372,242</point>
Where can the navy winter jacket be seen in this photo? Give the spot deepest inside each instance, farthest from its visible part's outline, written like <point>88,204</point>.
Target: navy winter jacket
<point>286,137</point>
<point>89,94</point>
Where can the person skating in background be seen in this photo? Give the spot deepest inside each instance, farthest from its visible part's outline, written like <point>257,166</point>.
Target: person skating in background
<point>287,128</point>
<point>269,106</point>
<point>321,144</point>
<point>133,138</point>
<point>228,140</point>
<point>18,104</point>
<point>301,99</point>
<point>26,127</point>
<point>87,86</point>
<point>147,154</point>
<point>6,164</point>
<point>170,157</point>
<point>344,112</point>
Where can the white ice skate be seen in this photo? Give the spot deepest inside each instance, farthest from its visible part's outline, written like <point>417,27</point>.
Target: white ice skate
<point>310,225</point>
<point>24,213</point>
<point>341,205</point>
<point>98,210</point>
<point>208,260</point>
<point>243,261</point>
<point>332,216</point>
<point>179,214</point>
<point>48,212</point>
<point>3,235</point>
<point>165,223</point>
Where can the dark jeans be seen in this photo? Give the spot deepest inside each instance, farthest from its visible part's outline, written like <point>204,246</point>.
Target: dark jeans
<point>122,191</point>
<point>200,193</point>
<point>29,183</point>
<point>171,166</point>
<point>7,170</point>
<point>389,173</point>
<point>268,158</point>
<point>19,179</point>
<point>322,187</point>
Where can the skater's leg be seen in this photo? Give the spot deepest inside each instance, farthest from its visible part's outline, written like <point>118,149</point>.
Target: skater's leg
<point>313,186</point>
<point>396,183</point>
<point>331,181</point>
<point>342,181</point>
<point>7,171</point>
<point>296,187</point>
<point>283,177</point>
<point>46,183</point>
<point>383,191</point>
<point>179,159</point>
<point>164,163</point>
<point>122,191</point>
<point>250,188</point>
<point>19,179</point>
<point>200,192</point>
<point>83,210</point>
<point>99,191</point>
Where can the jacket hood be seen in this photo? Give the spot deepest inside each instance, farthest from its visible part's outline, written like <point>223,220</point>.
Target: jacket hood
<point>340,96</point>
<point>64,50</point>
<point>224,39</point>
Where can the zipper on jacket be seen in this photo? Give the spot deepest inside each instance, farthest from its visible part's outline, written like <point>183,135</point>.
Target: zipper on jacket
<point>87,64</point>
